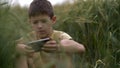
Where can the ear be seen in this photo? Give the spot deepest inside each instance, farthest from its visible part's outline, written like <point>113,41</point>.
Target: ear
<point>53,19</point>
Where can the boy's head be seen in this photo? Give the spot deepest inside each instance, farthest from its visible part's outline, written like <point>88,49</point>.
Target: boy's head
<point>40,7</point>
<point>41,17</point>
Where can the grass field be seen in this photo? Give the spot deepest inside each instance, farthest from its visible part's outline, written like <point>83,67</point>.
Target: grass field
<point>94,23</point>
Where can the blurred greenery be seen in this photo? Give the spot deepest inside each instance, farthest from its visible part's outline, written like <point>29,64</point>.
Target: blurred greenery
<point>10,29</point>
<point>94,23</point>
<point>7,36</point>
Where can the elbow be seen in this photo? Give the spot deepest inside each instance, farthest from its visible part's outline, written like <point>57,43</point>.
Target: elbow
<point>81,49</point>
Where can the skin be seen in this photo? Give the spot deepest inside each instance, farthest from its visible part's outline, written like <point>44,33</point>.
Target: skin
<point>42,25</point>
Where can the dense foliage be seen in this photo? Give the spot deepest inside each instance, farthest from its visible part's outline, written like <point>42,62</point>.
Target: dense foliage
<point>7,36</point>
<point>96,24</point>
<point>11,27</point>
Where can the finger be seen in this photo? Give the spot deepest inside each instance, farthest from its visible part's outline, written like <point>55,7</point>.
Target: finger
<point>28,48</point>
<point>50,46</point>
<point>49,49</point>
<point>30,51</point>
<point>51,42</point>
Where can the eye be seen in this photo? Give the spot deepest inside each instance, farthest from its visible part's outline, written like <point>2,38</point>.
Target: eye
<point>44,21</point>
<point>35,22</point>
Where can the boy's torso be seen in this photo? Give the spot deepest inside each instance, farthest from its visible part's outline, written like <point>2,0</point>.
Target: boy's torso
<point>50,60</point>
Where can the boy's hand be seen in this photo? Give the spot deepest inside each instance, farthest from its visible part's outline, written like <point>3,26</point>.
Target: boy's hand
<point>24,50</point>
<point>66,45</point>
<point>50,46</point>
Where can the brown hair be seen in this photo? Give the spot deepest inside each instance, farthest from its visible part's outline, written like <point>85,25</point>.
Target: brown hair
<point>38,7</point>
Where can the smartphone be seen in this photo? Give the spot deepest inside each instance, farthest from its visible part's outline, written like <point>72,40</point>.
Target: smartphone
<point>38,44</point>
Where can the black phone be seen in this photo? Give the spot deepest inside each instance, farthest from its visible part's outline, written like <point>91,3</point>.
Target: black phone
<point>38,44</point>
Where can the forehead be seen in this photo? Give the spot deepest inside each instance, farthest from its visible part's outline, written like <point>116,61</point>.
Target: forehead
<point>39,17</point>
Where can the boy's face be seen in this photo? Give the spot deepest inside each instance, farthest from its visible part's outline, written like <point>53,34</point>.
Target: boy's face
<point>42,25</point>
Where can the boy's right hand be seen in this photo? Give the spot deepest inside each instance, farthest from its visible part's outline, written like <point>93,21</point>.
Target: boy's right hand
<point>23,49</point>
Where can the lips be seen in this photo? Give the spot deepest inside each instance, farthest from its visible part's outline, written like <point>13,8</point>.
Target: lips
<point>41,31</point>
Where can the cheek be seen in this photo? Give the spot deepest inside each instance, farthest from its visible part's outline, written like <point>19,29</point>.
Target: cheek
<point>34,27</point>
<point>48,25</point>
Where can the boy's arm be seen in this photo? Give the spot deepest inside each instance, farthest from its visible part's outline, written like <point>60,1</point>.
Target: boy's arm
<point>23,52</point>
<point>65,45</point>
<point>71,46</point>
<point>21,62</point>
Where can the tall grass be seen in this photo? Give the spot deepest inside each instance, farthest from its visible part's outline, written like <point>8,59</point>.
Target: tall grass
<point>9,24</point>
<point>95,23</point>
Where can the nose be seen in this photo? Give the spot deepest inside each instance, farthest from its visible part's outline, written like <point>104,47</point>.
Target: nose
<point>39,25</point>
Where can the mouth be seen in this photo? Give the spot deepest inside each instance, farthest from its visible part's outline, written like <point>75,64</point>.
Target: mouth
<point>41,31</point>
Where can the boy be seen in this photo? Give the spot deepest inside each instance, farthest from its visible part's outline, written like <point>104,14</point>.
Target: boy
<point>55,53</point>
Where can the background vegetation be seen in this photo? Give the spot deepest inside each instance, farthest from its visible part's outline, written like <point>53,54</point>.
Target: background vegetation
<point>94,23</point>
<point>7,35</point>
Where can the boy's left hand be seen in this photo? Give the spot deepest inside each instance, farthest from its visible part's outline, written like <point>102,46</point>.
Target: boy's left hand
<point>50,46</point>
